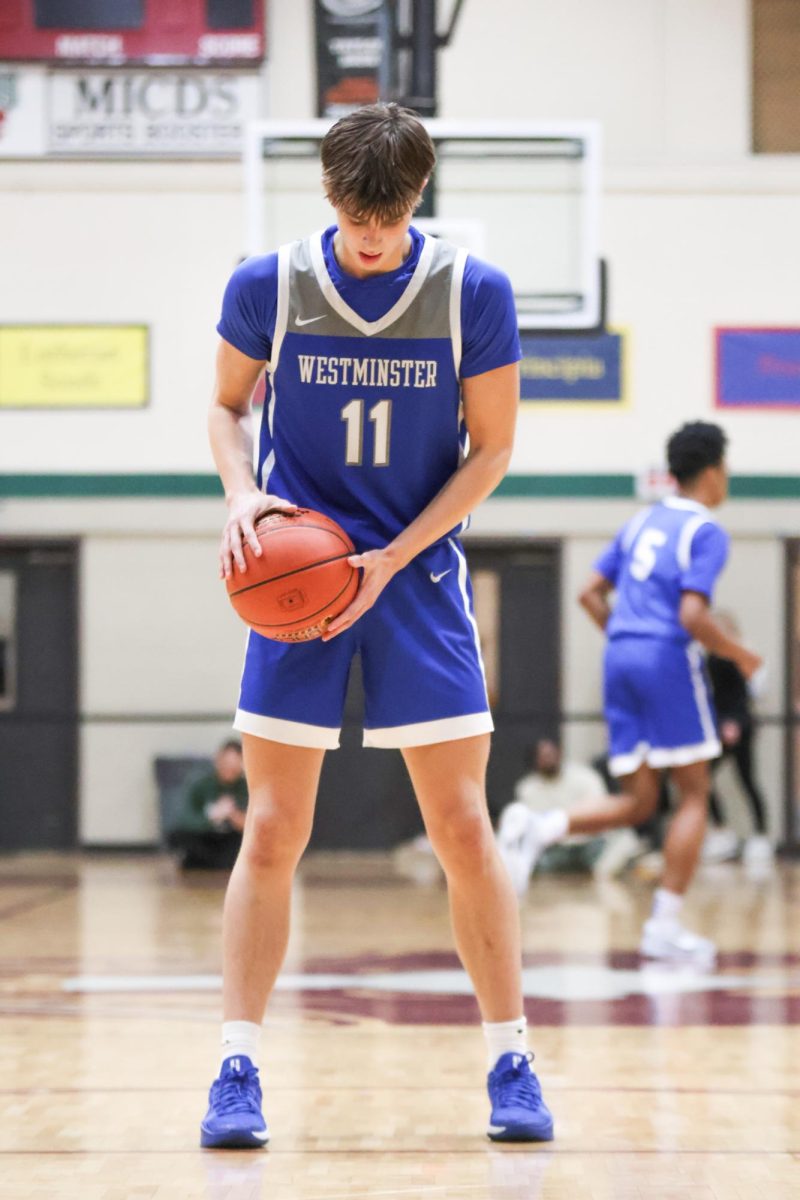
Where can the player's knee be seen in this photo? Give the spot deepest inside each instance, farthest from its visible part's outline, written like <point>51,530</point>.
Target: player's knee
<point>696,797</point>
<point>273,839</point>
<point>644,809</point>
<point>463,839</point>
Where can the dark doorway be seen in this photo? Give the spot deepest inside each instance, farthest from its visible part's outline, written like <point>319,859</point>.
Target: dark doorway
<point>365,799</point>
<point>38,695</point>
<point>791,828</point>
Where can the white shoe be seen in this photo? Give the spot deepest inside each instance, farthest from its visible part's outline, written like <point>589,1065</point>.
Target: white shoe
<point>520,844</point>
<point>669,941</point>
<point>758,851</point>
<point>720,845</point>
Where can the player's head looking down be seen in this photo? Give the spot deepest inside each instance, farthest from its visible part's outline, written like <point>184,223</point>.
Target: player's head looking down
<point>375,164</point>
<point>696,457</point>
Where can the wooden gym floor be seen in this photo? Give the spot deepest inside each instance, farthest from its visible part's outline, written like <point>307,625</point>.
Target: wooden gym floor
<point>664,1084</point>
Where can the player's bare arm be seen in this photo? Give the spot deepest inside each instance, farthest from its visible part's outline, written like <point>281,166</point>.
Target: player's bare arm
<point>594,598</point>
<point>696,618</point>
<point>232,446</point>
<point>490,403</point>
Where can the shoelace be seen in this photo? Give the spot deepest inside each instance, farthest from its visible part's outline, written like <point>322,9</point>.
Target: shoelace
<point>238,1092</point>
<point>518,1084</point>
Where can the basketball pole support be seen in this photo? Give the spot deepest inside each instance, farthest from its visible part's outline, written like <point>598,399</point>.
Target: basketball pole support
<point>424,42</point>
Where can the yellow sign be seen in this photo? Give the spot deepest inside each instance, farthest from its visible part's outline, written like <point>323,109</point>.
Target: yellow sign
<point>74,366</point>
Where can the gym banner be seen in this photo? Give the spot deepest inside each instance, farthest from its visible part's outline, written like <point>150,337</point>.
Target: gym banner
<point>353,47</point>
<point>757,368</point>
<point>74,366</point>
<point>142,114</point>
<point>570,368</point>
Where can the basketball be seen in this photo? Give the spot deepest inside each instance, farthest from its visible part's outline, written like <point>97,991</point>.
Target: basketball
<point>302,580</point>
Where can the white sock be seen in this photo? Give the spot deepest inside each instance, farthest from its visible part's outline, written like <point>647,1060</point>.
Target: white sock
<point>504,1037</point>
<point>666,905</point>
<point>240,1038</point>
<point>553,825</point>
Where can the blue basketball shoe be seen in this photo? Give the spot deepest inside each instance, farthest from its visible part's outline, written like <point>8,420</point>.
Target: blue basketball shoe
<point>234,1119</point>
<point>519,1114</point>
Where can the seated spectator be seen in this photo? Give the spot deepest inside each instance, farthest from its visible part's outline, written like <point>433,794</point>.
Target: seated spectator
<point>209,830</point>
<point>551,784</point>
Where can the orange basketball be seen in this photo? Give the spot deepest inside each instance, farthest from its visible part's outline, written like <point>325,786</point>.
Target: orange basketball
<point>302,579</point>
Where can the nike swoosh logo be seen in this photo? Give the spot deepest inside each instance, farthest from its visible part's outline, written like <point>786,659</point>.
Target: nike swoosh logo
<point>441,575</point>
<point>262,1137</point>
<point>307,320</point>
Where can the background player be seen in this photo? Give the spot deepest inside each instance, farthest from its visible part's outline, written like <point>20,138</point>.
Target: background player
<point>663,565</point>
<point>384,349</point>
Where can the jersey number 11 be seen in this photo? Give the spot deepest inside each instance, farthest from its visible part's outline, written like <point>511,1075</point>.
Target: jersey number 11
<point>353,416</point>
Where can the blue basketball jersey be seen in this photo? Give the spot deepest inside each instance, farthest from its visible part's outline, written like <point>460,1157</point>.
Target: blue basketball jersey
<point>664,551</point>
<point>363,415</point>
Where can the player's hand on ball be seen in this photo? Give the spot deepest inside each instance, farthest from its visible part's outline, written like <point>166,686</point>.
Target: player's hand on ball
<point>244,509</point>
<point>378,570</point>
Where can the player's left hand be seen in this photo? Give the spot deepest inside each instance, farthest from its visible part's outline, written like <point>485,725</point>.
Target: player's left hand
<point>378,570</point>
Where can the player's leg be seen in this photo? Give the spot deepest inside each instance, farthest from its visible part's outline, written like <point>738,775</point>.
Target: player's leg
<point>282,786</point>
<point>449,782</point>
<point>664,936</point>
<point>289,713</point>
<point>425,694</point>
<point>636,803</point>
<point>628,748</point>
<point>684,838</point>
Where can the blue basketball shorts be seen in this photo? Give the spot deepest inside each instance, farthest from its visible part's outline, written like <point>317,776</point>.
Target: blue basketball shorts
<point>658,704</point>
<point>420,661</point>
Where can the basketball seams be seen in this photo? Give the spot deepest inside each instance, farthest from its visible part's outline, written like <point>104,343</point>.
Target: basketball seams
<point>279,528</point>
<point>320,562</point>
<point>309,632</point>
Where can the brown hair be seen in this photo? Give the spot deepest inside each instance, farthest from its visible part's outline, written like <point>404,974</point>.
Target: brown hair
<point>375,162</point>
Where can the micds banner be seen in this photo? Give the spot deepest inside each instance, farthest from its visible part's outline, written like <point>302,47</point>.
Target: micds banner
<point>573,369</point>
<point>758,368</point>
<point>353,49</point>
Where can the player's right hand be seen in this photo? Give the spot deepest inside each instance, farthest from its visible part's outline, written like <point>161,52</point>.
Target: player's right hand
<point>748,662</point>
<point>244,509</point>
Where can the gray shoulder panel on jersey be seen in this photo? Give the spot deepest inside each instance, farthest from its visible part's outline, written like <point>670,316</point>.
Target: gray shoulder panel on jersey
<point>686,537</point>
<point>633,527</point>
<point>315,313</point>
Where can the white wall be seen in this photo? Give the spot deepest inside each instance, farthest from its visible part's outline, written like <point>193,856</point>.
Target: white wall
<point>697,232</point>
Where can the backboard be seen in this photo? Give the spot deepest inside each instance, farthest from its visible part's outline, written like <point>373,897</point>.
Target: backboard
<point>523,196</point>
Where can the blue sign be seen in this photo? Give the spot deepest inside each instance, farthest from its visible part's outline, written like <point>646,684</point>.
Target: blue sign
<point>758,368</point>
<point>571,367</point>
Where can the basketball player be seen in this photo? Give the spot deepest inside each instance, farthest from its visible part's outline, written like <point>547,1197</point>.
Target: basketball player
<point>663,565</point>
<point>384,349</point>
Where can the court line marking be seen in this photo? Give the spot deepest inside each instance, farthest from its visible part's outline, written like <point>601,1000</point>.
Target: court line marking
<point>426,1152</point>
<point>275,1089</point>
<point>561,983</point>
<point>433,1189</point>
